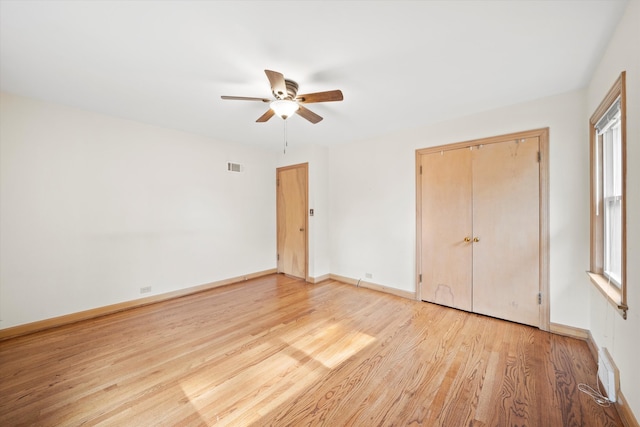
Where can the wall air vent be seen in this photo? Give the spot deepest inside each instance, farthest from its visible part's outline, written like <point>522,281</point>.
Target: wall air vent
<point>234,167</point>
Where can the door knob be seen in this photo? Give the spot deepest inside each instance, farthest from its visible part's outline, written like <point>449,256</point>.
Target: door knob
<point>476,239</point>
<point>467,239</point>
<point>302,229</point>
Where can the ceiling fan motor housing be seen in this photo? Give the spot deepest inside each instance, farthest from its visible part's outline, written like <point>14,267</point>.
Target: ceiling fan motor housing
<point>292,90</point>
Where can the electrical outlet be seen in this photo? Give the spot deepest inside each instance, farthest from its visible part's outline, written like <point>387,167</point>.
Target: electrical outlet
<point>368,275</point>
<point>145,289</point>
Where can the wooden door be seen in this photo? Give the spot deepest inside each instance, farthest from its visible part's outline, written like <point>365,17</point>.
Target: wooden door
<point>506,223</point>
<point>291,208</point>
<point>494,191</point>
<point>446,228</point>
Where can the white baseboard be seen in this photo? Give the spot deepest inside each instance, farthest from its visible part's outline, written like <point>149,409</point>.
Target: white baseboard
<point>374,286</point>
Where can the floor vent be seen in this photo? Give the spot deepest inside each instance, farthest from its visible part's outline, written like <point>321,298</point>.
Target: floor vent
<point>608,374</point>
<point>234,167</point>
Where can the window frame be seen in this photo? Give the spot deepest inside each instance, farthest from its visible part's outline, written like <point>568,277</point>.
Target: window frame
<point>615,293</point>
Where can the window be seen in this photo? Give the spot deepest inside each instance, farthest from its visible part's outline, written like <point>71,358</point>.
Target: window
<point>608,213</point>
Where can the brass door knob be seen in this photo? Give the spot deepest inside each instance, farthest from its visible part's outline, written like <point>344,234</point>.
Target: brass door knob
<point>467,239</point>
<point>476,239</point>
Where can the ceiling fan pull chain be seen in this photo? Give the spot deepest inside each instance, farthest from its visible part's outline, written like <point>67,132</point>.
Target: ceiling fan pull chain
<point>285,138</point>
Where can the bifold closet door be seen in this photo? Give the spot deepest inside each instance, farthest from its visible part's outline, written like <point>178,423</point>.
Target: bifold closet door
<point>446,228</point>
<point>480,229</point>
<point>506,225</point>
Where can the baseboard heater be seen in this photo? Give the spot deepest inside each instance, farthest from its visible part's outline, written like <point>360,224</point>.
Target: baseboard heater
<point>608,374</point>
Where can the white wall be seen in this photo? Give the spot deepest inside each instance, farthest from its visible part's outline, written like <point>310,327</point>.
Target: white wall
<point>372,193</point>
<point>317,157</point>
<point>608,328</point>
<point>94,207</point>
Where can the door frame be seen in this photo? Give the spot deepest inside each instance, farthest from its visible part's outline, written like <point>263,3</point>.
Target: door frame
<point>305,167</point>
<point>543,135</point>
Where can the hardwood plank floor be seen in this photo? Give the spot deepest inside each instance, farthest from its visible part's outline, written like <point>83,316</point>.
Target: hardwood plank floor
<point>277,351</point>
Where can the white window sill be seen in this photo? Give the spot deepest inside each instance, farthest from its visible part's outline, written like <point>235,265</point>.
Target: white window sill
<point>609,291</point>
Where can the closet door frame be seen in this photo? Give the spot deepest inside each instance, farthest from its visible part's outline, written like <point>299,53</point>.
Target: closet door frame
<point>543,135</point>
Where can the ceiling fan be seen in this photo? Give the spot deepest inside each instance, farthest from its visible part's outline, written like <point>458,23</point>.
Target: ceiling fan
<point>287,101</point>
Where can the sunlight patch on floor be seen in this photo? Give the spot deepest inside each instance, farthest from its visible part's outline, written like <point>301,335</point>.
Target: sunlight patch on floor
<point>224,400</point>
<point>334,345</point>
<point>225,393</point>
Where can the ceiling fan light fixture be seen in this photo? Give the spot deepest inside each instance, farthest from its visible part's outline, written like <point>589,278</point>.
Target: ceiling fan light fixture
<point>284,108</point>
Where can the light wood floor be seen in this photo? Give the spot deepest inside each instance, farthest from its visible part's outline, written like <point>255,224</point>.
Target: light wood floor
<point>277,351</point>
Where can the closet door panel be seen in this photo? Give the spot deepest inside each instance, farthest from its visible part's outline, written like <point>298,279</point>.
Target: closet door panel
<point>506,223</point>
<point>446,222</point>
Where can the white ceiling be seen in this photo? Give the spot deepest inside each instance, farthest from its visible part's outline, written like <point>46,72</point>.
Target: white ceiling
<point>400,64</point>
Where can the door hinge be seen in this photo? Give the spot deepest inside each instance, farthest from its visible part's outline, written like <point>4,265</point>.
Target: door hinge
<point>278,182</point>
<point>278,257</point>
<point>420,169</point>
<point>539,298</point>
<point>539,157</point>
<point>420,279</point>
